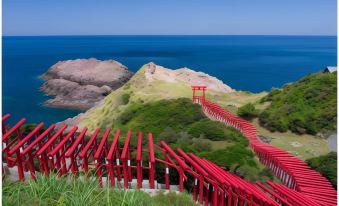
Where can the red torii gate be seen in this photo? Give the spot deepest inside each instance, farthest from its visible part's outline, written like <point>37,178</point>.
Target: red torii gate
<point>71,152</point>
<point>61,151</point>
<point>197,97</point>
<point>293,172</point>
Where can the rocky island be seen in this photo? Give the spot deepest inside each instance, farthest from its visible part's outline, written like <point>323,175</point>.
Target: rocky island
<point>81,83</point>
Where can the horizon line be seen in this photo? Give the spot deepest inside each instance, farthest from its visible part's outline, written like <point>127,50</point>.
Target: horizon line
<point>70,35</point>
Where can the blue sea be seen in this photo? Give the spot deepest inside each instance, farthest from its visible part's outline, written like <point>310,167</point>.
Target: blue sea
<point>253,63</point>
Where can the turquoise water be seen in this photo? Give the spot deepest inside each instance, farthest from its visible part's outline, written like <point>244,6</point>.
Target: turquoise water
<point>253,63</point>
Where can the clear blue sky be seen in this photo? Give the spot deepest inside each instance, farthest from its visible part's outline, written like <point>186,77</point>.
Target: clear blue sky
<point>111,17</point>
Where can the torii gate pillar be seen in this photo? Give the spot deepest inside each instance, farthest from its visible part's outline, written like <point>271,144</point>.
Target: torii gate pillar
<point>197,98</point>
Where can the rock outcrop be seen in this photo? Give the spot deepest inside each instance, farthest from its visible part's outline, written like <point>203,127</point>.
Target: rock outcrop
<point>151,83</point>
<point>186,76</point>
<point>81,83</point>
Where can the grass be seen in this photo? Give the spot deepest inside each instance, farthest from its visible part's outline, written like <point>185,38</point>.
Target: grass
<point>232,101</point>
<point>303,146</point>
<point>72,192</point>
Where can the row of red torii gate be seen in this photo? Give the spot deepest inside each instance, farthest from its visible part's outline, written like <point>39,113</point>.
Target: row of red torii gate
<point>132,156</point>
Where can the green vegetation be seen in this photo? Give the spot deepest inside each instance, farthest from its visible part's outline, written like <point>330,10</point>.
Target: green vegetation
<point>142,90</point>
<point>239,160</point>
<point>326,165</point>
<point>125,98</point>
<point>183,124</point>
<point>307,106</point>
<point>303,146</point>
<point>74,192</point>
<point>156,116</point>
<point>27,128</point>
<point>248,111</point>
<point>165,109</point>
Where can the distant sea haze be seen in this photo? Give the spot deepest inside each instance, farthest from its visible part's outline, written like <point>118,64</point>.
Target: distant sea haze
<point>253,63</point>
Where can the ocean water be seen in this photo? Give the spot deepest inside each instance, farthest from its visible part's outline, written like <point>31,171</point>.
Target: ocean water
<point>253,63</point>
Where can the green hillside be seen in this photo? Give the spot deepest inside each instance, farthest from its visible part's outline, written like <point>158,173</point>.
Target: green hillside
<point>165,109</point>
<point>326,165</point>
<point>182,124</point>
<point>306,106</point>
<point>139,90</point>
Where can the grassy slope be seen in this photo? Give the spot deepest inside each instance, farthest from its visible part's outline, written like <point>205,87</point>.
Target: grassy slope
<point>142,91</point>
<point>306,106</point>
<point>71,192</point>
<point>304,146</point>
<point>317,98</point>
<point>182,124</point>
<point>310,145</point>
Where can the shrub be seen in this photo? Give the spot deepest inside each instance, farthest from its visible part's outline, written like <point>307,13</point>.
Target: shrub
<point>168,135</point>
<point>269,97</point>
<point>209,129</point>
<point>125,98</point>
<point>326,165</point>
<point>157,116</point>
<point>307,106</point>
<point>201,145</point>
<point>230,157</point>
<point>246,172</point>
<point>266,172</point>
<point>247,111</point>
<point>214,131</point>
<point>27,128</point>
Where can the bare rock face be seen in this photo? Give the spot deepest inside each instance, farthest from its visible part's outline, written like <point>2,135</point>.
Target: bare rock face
<point>80,84</point>
<point>187,76</point>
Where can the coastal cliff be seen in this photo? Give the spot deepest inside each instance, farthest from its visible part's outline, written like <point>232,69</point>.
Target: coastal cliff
<point>152,83</point>
<point>81,83</point>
